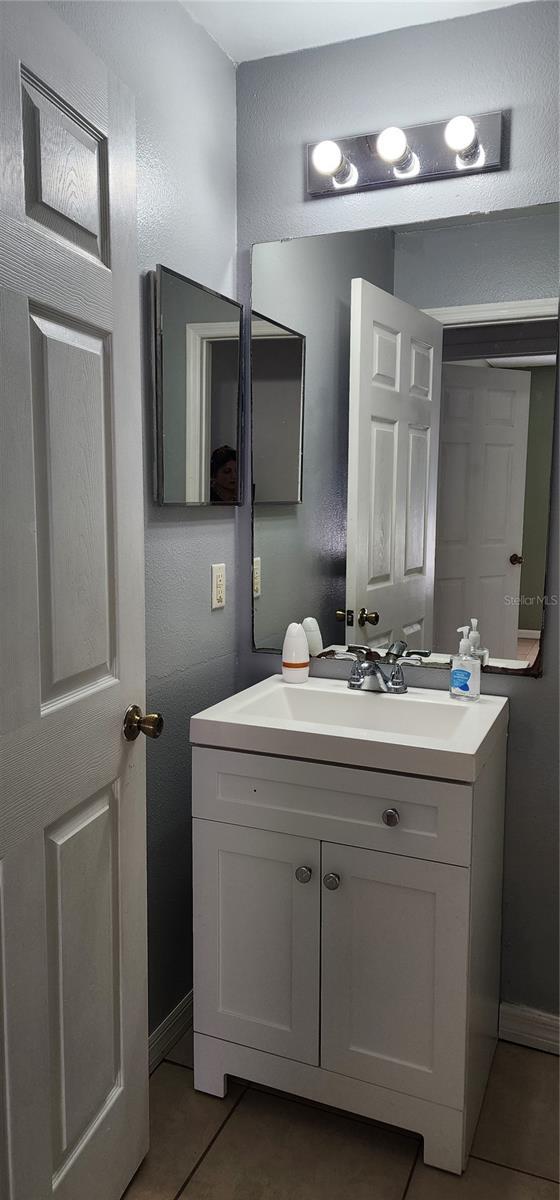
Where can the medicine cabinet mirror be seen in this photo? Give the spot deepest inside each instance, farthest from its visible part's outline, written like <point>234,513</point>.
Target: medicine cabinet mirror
<point>277,372</point>
<point>197,372</point>
<point>429,417</point>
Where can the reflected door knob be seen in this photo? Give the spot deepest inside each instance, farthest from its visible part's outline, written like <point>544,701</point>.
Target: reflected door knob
<point>303,874</point>
<point>331,881</point>
<point>367,618</point>
<point>134,723</point>
<point>391,817</point>
<point>516,560</point>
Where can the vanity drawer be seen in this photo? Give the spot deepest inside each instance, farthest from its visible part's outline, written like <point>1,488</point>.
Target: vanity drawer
<point>336,804</point>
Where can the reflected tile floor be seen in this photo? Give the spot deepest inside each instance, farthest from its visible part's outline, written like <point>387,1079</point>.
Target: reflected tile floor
<point>259,1145</point>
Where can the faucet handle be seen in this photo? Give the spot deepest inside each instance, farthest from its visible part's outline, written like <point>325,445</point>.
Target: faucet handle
<point>356,677</point>
<point>395,651</point>
<point>363,653</point>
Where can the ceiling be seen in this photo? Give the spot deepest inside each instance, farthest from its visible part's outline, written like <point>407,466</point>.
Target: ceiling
<point>248,29</point>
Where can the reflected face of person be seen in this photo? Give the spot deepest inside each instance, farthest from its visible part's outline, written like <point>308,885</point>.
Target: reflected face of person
<point>225,480</point>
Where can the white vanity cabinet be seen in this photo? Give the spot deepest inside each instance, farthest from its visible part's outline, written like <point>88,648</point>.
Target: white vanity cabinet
<point>347,937</point>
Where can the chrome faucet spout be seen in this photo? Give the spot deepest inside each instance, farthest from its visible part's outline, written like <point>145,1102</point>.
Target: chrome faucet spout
<point>365,675</point>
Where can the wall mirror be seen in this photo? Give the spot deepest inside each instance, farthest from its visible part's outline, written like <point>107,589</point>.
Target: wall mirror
<point>278,386</point>
<point>429,414</point>
<point>197,392</point>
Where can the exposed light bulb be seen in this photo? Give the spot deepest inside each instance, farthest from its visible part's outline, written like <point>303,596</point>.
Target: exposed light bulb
<point>347,179</point>
<point>410,171</point>
<point>327,158</point>
<point>461,136</point>
<point>392,145</point>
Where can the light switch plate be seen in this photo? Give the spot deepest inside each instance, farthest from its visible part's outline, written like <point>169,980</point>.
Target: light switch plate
<point>256,578</point>
<point>218,585</point>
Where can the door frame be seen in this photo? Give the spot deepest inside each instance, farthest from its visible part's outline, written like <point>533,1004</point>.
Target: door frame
<point>498,311</point>
<point>505,312</point>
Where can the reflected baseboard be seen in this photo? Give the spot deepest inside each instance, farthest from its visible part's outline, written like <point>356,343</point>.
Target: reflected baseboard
<point>529,1027</point>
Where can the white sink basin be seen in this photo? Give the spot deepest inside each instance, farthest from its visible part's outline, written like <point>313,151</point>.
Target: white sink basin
<point>424,732</point>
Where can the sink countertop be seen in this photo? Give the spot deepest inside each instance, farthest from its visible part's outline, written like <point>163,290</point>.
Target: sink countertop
<point>424,732</point>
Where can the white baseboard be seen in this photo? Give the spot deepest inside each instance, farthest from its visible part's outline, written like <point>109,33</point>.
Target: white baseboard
<point>529,1027</point>
<point>177,1023</point>
<point>533,634</point>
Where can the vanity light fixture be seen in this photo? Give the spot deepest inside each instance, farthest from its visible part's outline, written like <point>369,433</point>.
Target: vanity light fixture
<point>394,156</point>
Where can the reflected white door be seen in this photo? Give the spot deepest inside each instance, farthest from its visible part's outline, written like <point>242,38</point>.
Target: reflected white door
<point>484,424</point>
<point>73,1029</point>
<point>395,372</point>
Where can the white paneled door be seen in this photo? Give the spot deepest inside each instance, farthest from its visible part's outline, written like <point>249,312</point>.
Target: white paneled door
<point>395,373</point>
<point>484,425</point>
<point>73,1030</point>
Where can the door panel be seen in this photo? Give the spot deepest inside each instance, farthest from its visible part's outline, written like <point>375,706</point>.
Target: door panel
<point>72,825</point>
<point>485,416</point>
<point>394,963</point>
<point>256,935</point>
<point>83,963</point>
<point>395,361</point>
<point>73,491</point>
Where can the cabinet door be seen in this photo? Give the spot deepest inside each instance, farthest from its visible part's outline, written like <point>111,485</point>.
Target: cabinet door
<point>256,939</point>
<point>394,972</point>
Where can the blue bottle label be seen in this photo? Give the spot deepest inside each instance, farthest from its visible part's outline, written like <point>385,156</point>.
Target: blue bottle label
<point>460,679</point>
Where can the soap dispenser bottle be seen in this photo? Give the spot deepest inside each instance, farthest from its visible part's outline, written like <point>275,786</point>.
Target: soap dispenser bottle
<point>465,670</point>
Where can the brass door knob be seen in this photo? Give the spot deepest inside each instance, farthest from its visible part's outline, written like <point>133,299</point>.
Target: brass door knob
<point>134,723</point>
<point>340,614</point>
<point>516,560</point>
<point>369,618</point>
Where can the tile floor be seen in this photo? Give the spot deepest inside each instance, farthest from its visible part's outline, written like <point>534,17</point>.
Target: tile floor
<point>258,1145</point>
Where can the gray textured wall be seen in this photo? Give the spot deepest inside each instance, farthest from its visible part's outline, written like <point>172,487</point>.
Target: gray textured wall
<point>512,257</point>
<point>186,140</point>
<point>502,58</point>
<point>306,284</point>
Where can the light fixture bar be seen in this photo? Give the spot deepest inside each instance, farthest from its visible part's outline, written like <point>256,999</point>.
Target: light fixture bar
<point>426,150</point>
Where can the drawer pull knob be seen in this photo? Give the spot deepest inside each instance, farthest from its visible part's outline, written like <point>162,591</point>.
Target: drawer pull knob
<point>303,874</point>
<point>331,881</point>
<point>391,817</point>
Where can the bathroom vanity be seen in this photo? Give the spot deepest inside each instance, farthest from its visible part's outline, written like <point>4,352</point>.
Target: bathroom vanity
<point>347,901</point>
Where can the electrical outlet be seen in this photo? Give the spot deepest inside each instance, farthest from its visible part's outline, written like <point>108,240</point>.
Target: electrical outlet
<point>218,585</point>
<point>256,578</point>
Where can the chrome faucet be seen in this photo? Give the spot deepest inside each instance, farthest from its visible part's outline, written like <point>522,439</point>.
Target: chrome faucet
<point>367,672</point>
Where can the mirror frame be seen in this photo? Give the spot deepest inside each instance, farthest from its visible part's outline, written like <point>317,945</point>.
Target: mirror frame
<point>158,468</point>
<point>498,313</point>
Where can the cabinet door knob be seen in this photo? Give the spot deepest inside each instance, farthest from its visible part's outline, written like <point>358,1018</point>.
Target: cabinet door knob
<point>516,560</point>
<point>331,881</point>
<point>391,817</point>
<point>303,874</point>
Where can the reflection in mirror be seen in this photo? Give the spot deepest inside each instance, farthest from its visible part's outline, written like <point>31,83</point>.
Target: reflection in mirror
<point>197,387</point>
<point>428,442</point>
<point>277,380</point>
